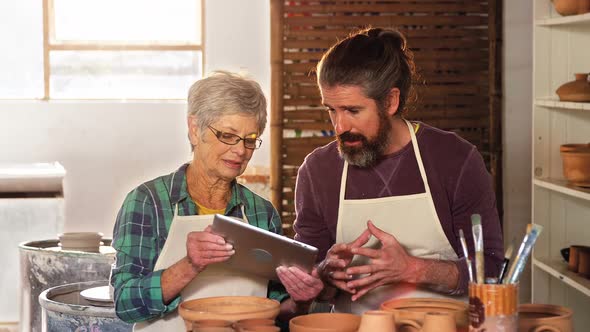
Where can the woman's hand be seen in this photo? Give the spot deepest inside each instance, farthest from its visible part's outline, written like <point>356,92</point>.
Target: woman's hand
<point>301,286</point>
<point>333,268</point>
<point>204,248</point>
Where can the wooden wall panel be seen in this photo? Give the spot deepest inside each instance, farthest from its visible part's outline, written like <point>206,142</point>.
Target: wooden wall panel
<point>456,45</point>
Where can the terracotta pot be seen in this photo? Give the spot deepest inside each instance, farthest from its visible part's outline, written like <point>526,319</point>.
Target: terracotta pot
<point>583,6</point>
<point>574,259</point>
<point>577,90</point>
<point>576,163</point>
<point>415,309</point>
<point>544,317</point>
<point>245,324</point>
<point>231,308</point>
<point>212,325</point>
<point>584,262</point>
<point>377,321</point>
<point>566,7</point>
<point>260,328</point>
<point>439,322</point>
<point>433,322</point>
<point>325,322</point>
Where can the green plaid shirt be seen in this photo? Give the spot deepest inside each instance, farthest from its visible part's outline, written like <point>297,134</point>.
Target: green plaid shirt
<point>141,230</point>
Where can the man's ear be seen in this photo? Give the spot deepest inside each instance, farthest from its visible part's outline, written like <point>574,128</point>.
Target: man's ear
<point>393,101</point>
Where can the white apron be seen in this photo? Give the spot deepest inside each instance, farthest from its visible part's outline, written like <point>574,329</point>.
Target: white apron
<point>215,280</point>
<point>412,219</point>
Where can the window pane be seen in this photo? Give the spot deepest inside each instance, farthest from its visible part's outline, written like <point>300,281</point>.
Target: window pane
<point>123,74</point>
<point>128,20</point>
<point>21,58</point>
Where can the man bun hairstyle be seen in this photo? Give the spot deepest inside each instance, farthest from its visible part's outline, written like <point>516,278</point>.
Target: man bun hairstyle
<point>374,58</point>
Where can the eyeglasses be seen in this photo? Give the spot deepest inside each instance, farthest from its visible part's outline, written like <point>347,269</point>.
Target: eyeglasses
<point>232,139</point>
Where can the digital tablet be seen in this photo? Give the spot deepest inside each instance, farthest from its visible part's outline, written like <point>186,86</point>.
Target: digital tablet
<point>260,252</point>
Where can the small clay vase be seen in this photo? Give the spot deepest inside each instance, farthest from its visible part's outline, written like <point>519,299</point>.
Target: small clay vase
<point>576,164</point>
<point>566,7</point>
<point>577,90</point>
<point>544,317</point>
<point>377,321</point>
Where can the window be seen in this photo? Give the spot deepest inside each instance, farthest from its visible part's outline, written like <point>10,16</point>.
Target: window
<point>107,49</point>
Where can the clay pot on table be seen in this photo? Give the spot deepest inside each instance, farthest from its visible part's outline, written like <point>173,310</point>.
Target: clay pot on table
<point>577,90</point>
<point>434,322</point>
<point>377,321</point>
<point>415,309</point>
<point>544,317</point>
<point>229,308</point>
<point>245,325</point>
<point>325,322</point>
<point>212,325</point>
<point>576,163</point>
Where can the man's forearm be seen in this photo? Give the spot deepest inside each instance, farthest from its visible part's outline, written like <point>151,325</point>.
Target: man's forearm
<point>441,276</point>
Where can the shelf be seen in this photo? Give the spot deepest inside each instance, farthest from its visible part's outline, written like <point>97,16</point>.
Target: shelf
<point>563,187</point>
<point>564,20</point>
<point>558,269</point>
<point>554,102</point>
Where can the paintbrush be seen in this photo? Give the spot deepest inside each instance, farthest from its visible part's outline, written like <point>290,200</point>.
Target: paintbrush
<point>507,256</point>
<point>478,241</point>
<point>466,254</point>
<point>518,263</point>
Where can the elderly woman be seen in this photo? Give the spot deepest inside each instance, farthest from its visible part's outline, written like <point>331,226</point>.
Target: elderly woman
<point>166,251</point>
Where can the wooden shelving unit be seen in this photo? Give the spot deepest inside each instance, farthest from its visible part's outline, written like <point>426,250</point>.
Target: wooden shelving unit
<point>561,48</point>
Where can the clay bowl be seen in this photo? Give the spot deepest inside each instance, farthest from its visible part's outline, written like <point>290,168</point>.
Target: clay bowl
<point>80,241</point>
<point>325,322</point>
<point>544,317</point>
<point>415,309</point>
<point>576,163</point>
<point>230,308</point>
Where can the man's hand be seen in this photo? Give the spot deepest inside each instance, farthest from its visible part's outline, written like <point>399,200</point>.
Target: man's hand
<point>204,248</point>
<point>391,263</point>
<point>301,286</point>
<point>333,268</point>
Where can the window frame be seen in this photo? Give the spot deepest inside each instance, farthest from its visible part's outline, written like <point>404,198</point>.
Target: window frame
<point>80,45</point>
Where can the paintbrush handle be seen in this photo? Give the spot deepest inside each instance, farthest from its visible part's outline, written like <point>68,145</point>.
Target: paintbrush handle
<point>503,270</point>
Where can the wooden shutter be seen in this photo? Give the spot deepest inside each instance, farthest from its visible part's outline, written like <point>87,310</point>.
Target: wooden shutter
<point>456,45</point>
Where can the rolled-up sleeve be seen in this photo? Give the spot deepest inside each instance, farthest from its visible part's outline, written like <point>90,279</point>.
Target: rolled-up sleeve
<point>138,290</point>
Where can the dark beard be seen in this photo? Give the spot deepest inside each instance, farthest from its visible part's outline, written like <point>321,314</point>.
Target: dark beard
<point>370,151</point>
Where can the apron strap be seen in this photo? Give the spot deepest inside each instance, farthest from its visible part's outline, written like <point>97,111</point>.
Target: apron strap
<point>418,156</point>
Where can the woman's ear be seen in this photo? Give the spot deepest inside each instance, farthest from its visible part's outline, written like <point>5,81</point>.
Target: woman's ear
<point>393,101</point>
<point>193,130</point>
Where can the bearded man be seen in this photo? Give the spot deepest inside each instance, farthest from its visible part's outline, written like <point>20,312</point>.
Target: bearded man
<point>384,203</point>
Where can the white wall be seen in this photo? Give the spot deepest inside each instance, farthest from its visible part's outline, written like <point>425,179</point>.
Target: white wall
<point>108,148</point>
<point>517,121</point>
